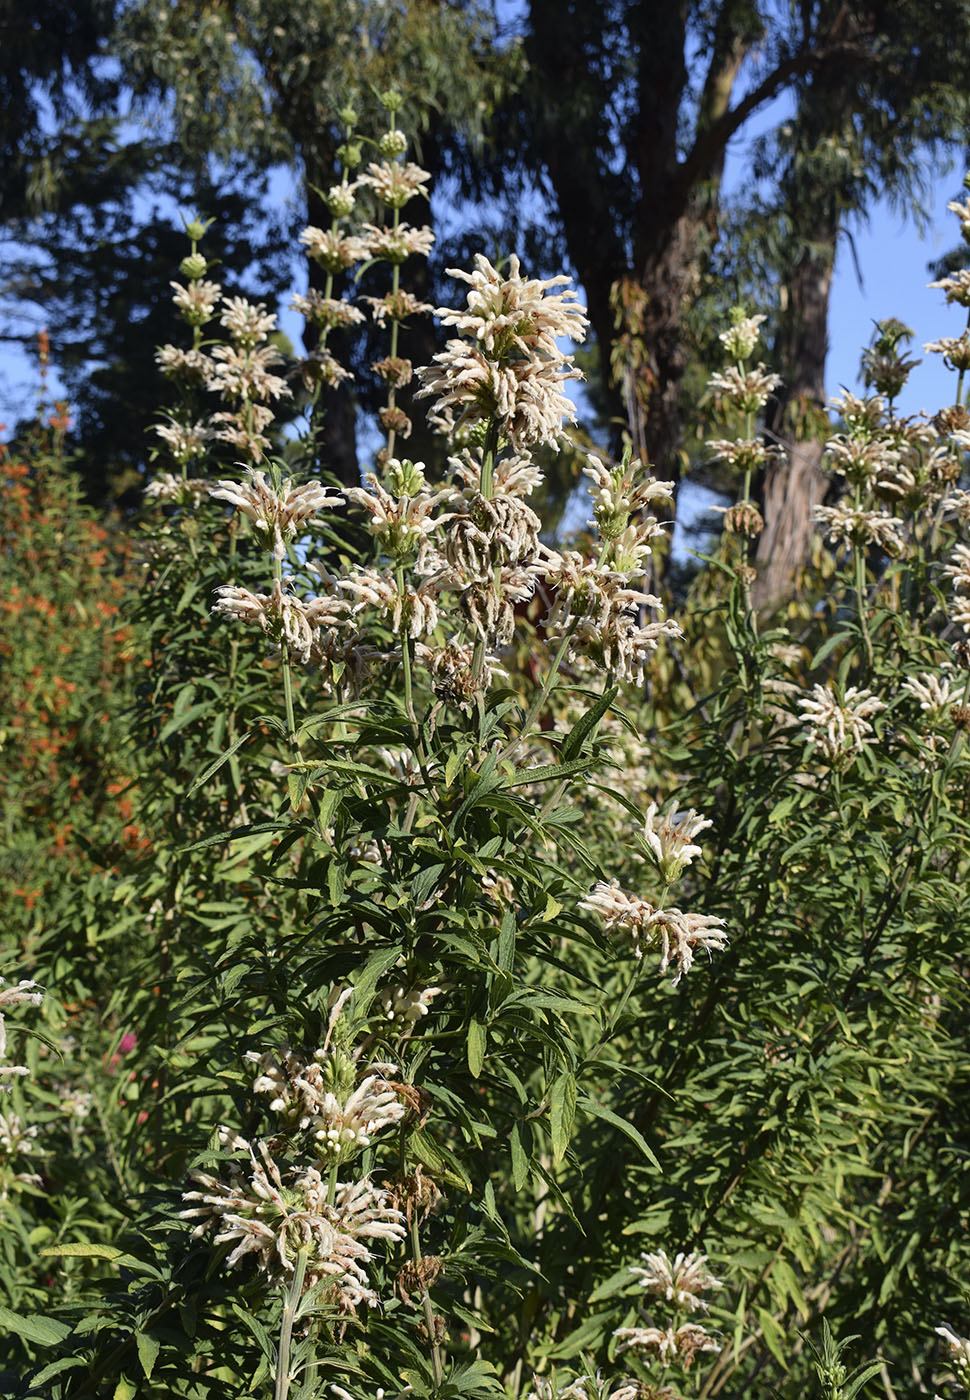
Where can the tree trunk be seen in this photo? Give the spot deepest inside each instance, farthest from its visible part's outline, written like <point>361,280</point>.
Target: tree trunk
<point>799,422</point>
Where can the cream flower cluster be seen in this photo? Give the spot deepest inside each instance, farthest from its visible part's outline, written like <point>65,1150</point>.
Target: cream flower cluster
<point>846,525</point>
<point>681,1281</point>
<point>277,513</point>
<point>17,1138</point>
<point>341,1106</point>
<point>676,934</point>
<point>670,837</point>
<point>274,1212</point>
<point>839,728</point>
<point>509,368</point>
<point>24,993</point>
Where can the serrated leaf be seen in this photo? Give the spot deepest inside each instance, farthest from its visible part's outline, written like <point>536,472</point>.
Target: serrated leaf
<point>44,1331</point>
<point>297,781</point>
<point>148,1348</point>
<point>562,1111</point>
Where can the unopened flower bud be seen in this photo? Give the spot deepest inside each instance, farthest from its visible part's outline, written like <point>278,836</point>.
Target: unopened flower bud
<point>348,116</point>
<point>350,154</point>
<point>391,100</point>
<point>196,229</point>
<point>340,200</point>
<point>194,266</point>
<point>404,478</point>
<point>392,143</point>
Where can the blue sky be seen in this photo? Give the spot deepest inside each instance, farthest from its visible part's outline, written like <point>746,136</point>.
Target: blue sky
<point>892,256</point>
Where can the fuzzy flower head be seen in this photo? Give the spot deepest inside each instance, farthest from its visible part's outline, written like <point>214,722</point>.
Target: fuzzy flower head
<point>248,322</point>
<point>282,615</point>
<point>956,286</point>
<point>395,182</point>
<point>746,391</point>
<point>839,728</point>
<point>955,350</point>
<point>513,371</point>
<point>25,992</point>
<point>401,509</point>
<point>405,1006</point>
<point>958,1352</point>
<point>847,526</point>
<point>932,692</point>
<point>277,513</point>
<point>197,302</point>
<point>670,1345</point>
<point>680,1281</point>
<point>341,1105</point>
<point>742,335</point>
<point>274,1212</point>
<point>676,934</point>
<point>621,491</point>
<point>669,838</point>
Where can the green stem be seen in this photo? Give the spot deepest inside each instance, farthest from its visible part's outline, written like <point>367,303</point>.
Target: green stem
<point>282,1387</point>
<point>544,693</point>
<point>489,453</point>
<point>436,1359</point>
<point>859,560</point>
<point>291,729</point>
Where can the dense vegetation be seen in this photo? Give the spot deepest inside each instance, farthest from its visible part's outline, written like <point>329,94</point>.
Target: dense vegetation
<point>440,963</point>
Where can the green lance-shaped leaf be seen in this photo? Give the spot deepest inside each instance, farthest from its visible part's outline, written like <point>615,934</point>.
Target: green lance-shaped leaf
<point>562,1112</point>
<point>477,1039</point>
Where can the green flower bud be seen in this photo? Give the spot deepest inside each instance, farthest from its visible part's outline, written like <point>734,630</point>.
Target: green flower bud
<point>391,100</point>
<point>404,478</point>
<point>392,143</point>
<point>194,266</point>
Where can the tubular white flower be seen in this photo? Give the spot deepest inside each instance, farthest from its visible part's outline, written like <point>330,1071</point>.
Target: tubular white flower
<point>245,374</point>
<point>273,1214</point>
<point>747,392</point>
<point>326,311</point>
<point>740,339</point>
<point>514,372</point>
<point>277,515</point>
<point>670,839</point>
<point>281,615</point>
<point>395,182</point>
<point>680,1281</point>
<point>197,302</point>
<point>681,1344</point>
<point>931,691</point>
<point>249,323</point>
<point>844,524</point>
<point>412,609</point>
<point>676,933</point>
<point>335,252</point>
<point>958,1347</point>
<point>954,349</point>
<point>839,729</point>
<point>394,245</point>
<point>25,992</point>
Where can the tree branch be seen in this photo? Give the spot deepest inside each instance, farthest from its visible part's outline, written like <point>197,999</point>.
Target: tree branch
<point>711,144</point>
